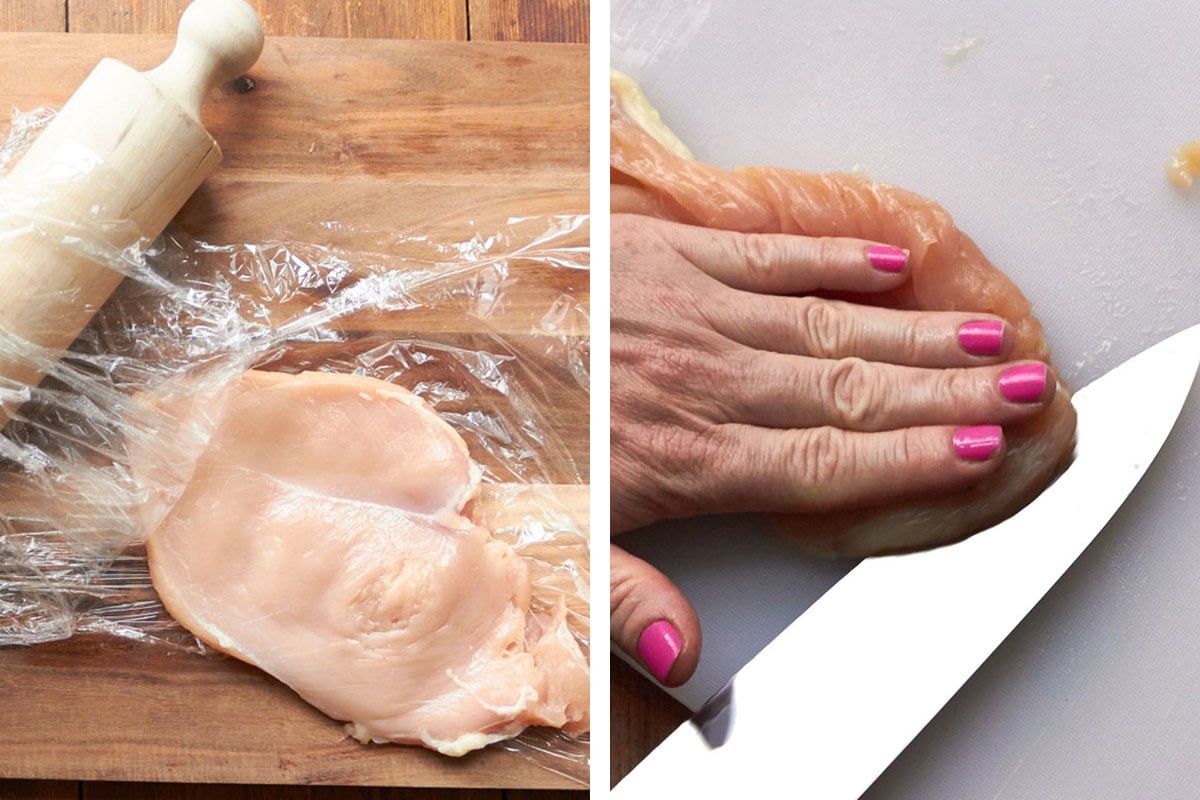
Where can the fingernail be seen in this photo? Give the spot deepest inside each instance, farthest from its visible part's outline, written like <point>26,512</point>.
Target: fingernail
<point>887,258</point>
<point>977,443</point>
<point>982,337</point>
<point>1023,384</point>
<point>659,646</point>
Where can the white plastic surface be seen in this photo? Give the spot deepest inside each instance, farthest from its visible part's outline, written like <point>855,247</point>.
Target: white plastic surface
<point>831,725</point>
<point>1044,129</point>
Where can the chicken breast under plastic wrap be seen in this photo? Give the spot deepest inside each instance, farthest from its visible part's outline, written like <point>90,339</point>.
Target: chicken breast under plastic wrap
<point>323,539</point>
<point>654,174</point>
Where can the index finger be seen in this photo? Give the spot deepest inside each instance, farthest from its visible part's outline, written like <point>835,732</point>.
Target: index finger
<point>778,263</point>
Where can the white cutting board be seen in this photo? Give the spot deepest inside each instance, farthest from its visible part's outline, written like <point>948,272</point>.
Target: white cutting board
<point>1044,128</point>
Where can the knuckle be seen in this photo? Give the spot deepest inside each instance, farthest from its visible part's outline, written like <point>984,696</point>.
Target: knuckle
<point>622,590</point>
<point>952,388</point>
<point>823,326</point>
<point>906,451</point>
<point>916,335</point>
<point>854,389</point>
<point>819,455</point>
<point>758,254</point>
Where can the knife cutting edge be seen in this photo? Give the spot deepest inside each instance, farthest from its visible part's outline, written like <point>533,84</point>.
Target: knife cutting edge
<point>844,689</point>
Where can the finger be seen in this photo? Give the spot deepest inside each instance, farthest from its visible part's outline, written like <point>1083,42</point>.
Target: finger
<point>782,391</point>
<point>812,326</point>
<point>824,469</point>
<point>777,263</point>
<point>651,619</point>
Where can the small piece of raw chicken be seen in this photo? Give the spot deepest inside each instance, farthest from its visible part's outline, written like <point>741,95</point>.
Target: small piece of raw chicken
<point>323,539</point>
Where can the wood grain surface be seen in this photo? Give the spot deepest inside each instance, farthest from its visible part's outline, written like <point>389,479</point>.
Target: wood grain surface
<point>18,789</point>
<point>200,719</point>
<point>103,790</point>
<point>33,15</point>
<point>357,19</point>
<point>361,182</point>
<point>641,716</point>
<point>490,114</point>
<point>489,20</point>
<point>353,140</point>
<point>529,20</point>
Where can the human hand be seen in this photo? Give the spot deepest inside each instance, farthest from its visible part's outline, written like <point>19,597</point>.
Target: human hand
<point>735,388</point>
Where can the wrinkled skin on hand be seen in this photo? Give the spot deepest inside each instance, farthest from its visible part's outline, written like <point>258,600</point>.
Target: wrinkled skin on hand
<point>735,387</point>
<point>713,428</point>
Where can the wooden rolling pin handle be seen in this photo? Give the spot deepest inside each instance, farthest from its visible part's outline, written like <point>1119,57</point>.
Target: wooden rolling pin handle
<point>145,150</point>
<point>218,41</point>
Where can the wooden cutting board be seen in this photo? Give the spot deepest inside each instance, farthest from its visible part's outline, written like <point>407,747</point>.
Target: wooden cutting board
<point>334,142</point>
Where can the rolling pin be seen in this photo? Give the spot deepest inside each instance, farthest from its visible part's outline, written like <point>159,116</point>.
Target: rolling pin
<point>102,182</point>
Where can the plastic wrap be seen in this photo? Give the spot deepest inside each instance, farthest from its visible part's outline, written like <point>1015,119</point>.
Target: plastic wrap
<point>191,316</point>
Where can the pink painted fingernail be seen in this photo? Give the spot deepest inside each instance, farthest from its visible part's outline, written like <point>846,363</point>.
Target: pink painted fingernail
<point>887,258</point>
<point>1023,384</point>
<point>977,443</point>
<point>982,337</point>
<point>659,646</point>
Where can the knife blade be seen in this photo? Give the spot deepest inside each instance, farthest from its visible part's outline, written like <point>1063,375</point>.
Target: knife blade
<point>843,690</point>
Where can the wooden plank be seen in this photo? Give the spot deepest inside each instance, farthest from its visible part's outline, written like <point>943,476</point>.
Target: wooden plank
<point>103,790</point>
<point>515,297</point>
<point>102,708</point>
<point>357,19</point>
<point>70,708</point>
<point>154,791</point>
<point>106,16</point>
<point>362,141</point>
<point>530,20</point>
<point>641,716</point>
<point>112,790</point>
<point>32,16</point>
<point>400,218</point>
<point>485,113</point>
<point>365,19</point>
<point>399,225</point>
<point>38,790</point>
<point>375,214</point>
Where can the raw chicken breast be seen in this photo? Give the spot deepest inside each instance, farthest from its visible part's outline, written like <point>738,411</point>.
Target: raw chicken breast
<point>1184,165</point>
<point>653,173</point>
<point>322,538</point>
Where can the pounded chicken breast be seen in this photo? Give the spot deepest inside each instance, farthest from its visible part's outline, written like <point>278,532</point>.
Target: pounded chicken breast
<point>323,539</point>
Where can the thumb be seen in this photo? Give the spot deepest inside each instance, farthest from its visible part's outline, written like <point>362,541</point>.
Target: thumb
<point>651,619</point>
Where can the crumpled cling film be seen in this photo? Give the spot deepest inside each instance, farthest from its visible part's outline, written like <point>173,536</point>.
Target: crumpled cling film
<point>191,316</point>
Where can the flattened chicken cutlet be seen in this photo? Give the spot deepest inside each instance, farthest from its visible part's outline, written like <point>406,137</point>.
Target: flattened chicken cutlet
<point>322,538</point>
<point>653,173</point>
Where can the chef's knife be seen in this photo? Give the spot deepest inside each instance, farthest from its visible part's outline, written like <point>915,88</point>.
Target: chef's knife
<point>844,689</point>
